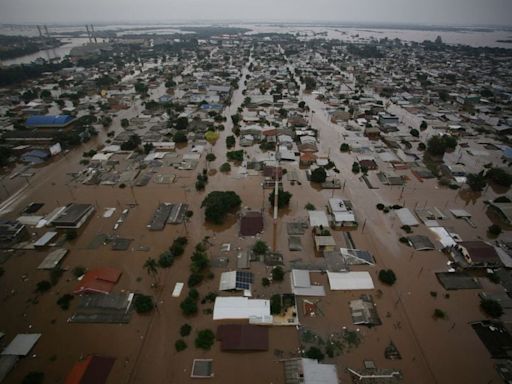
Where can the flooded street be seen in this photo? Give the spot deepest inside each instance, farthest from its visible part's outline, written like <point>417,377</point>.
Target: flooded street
<point>433,350</point>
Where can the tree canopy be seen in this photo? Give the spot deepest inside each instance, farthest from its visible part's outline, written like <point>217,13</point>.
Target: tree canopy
<point>218,204</point>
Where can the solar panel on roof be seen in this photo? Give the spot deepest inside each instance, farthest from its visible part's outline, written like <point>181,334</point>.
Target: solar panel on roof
<point>244,280</point>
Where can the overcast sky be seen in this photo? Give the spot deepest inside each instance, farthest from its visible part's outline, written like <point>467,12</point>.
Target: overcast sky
<point>451,12</point>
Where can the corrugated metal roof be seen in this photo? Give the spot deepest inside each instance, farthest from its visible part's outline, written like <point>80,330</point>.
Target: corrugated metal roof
<point>22,344</point>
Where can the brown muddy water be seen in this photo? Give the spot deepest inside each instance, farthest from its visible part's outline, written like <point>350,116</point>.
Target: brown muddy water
<point>433,351</point>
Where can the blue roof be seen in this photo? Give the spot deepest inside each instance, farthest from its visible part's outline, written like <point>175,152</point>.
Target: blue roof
<point>507,152</point>
<point>48,120</point>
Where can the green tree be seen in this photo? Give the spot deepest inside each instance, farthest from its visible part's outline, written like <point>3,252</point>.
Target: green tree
<point>230,141</point>
<point>205,339</point>
<point>226,167</point>
<point>423,125</point>
<point>260,247</point>
<point>148,147</point>
<point>181,123</point>
<point>344,147</point>
<point>309,207</point>
<point>315,353</point>
<point>188,306</point>
<point>277,273</point>
<point>125,123</point>
<point>143,304</point>
<point>235,155</point>
<point>283,198</point>
<point>218,204</point>
<point>387,276</point>
<point>436,146</point>
<point>166,259</point>
<point>275,304</point>
<point>494,230</point>
<point>414,133</point>
<point>151,267</point>
<point>476,181</point>
<point>210,157</point>
<point>185,330</point>
<point>180,345</point>
<point>180,137</point>
<point>318,175</point>
<point>499,176</point>
<point>43,286</point>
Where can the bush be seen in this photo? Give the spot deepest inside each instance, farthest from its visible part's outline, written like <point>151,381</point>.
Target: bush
<point>180,137</point>
<point>188,306</point>
<point>260,247</point>
<point>380,206</point>
<point>502,199</point>
<point>494,230</point>
<point>491,307</point>
<point>315,353</point>
<point>277,274</point>
<point>193,294</point>
<point>185,330</point>
<point>309,207</point>
<point>265,282</point>
<point>226,167</point>
<point>205,339</point>
<point>414,133</point>
<point>180,345</point>
<point>64,301</point>
<point>355,168</point>
<point>406,228</point>
<point>210,157</point>
<point>43,286</point>
<point>143,304</point>
<point>403,240</point>
<point>439,314</point>
<point>275,305</point>
<point>387,276</point>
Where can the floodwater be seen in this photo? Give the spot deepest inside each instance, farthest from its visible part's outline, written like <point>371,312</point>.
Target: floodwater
<point>433,351</point>
<point>49,54</point>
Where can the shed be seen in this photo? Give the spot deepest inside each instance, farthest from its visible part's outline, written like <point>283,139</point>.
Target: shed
<point>92,370</point>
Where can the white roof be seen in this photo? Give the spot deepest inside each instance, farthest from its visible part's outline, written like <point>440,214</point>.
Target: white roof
<point>459,213</point>
<point>22,344</point>
<point>177,290</point>
<point>316,373</point>
<point>443,236</point>
<point>406,217</point>
<point>343,217</point>
<point>240,308</point>
<point>301,284</point>
<point>347,281</point>
<point>318,218</point>
<point>111,148</point>
<point>101,156</point>
<point>227,281</point>
<point>300,278</point>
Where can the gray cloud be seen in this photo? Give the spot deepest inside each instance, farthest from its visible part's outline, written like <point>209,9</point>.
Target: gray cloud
<point>460,12</point>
